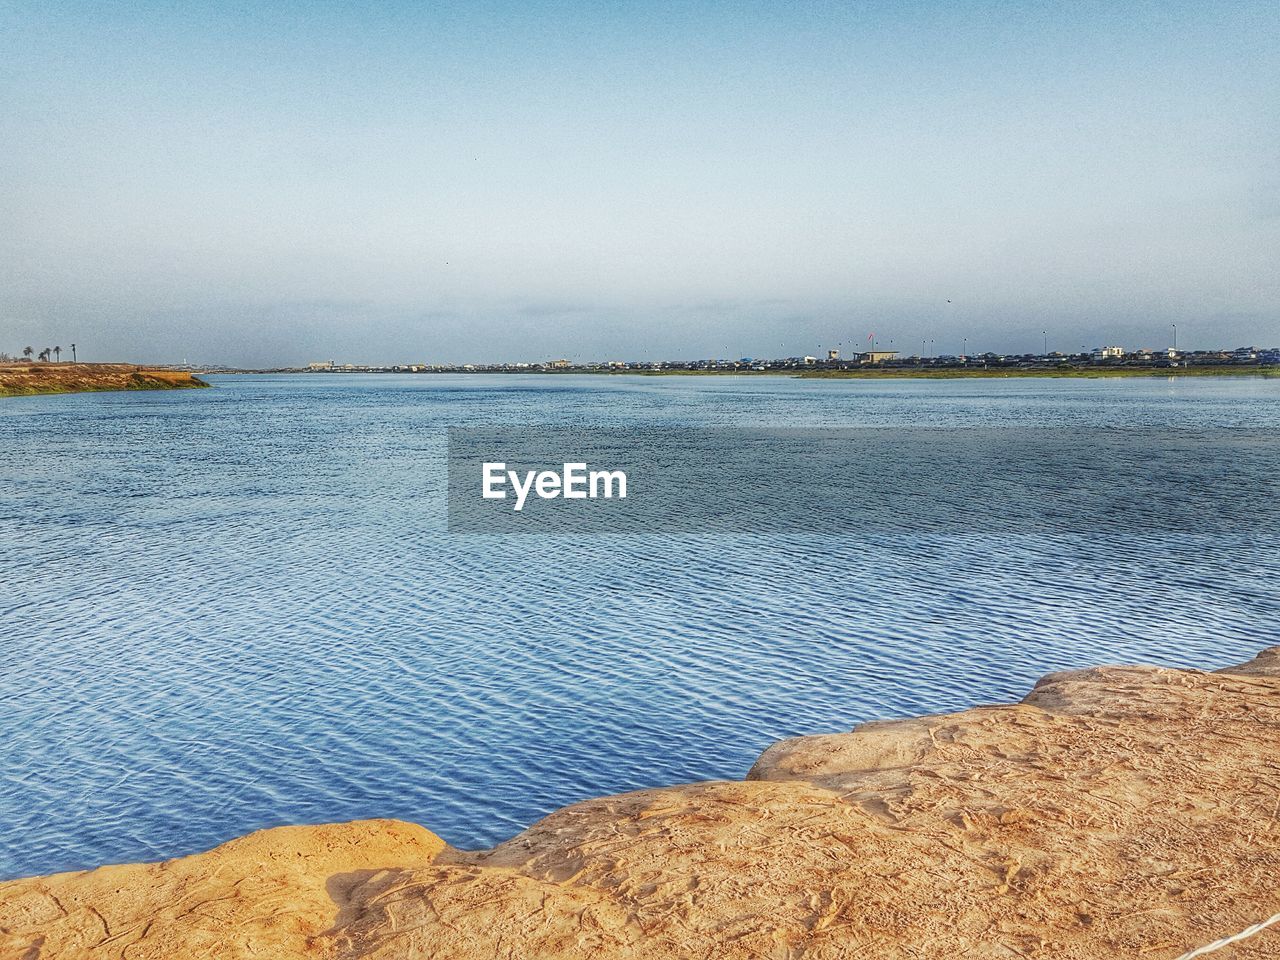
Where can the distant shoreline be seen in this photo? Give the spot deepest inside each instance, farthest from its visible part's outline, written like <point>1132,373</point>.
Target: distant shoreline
<point>43,379</point>
<point>958,373</point>
<point>892,373</point>
<point>1074,373</point>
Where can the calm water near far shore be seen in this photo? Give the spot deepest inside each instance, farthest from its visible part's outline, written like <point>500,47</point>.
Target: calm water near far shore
<point>234,608</point>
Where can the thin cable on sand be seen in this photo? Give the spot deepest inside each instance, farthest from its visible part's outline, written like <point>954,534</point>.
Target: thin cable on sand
<point>1227,941</point>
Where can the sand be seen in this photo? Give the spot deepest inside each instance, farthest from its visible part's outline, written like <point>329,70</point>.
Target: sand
<point>1115,812</point>
<point>26,379</point>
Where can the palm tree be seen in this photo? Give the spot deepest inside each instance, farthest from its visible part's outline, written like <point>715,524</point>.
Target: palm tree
<point>43,354</point>
<point>73,353</point>
<point>27,351</point>
<point>57,353</point>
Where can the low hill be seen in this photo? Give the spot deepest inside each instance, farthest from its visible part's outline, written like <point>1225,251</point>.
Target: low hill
<point>28,379</point>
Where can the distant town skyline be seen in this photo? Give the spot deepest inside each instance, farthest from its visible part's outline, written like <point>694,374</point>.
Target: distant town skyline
<point>926,347</point>
<point>275,184</point>
<point>1240,359</point>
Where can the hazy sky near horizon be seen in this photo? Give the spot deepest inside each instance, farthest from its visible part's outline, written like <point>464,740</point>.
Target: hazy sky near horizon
<point>263,183</point>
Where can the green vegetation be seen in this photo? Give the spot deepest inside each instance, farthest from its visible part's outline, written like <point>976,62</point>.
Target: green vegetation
<point>1060,371</point>
<point>948,373</point>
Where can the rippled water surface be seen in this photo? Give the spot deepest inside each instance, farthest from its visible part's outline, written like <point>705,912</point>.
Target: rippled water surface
<point>240,607</point>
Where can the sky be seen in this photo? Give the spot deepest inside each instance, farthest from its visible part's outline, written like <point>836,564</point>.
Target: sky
<point>267,183</point>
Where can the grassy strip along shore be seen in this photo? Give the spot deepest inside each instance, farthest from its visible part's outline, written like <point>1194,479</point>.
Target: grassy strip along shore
<point>32,379</point>
<point>943,373</point>
<point>940,372</point>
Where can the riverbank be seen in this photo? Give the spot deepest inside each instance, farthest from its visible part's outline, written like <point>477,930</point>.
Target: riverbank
<point>940,372</point>
<point>956,373</point>
<point>1117,811</point>
<point>951,373</point>
<point>971,372</point>
<point>32,379</point>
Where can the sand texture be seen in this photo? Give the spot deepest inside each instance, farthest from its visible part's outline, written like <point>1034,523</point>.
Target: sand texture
<point>1116,812</point>
<point>26,379</point>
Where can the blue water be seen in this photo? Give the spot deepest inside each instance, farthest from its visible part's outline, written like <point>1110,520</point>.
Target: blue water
<point>234,608</point>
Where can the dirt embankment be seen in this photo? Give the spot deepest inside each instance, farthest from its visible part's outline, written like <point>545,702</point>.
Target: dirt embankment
<point>1115,812</point>
<point>27,379</point>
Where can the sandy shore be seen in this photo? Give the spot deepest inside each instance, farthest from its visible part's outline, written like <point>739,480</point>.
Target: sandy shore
<point>1115,812</point>
<point>28,379</point>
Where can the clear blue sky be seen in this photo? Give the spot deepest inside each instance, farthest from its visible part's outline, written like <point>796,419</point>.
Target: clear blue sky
<point>262,183</point>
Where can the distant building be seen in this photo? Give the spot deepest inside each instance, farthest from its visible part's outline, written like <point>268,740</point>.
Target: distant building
<point>1109,353</point>
<point>833,354</point>
<point>877,356</point>
<point>322,365</point>
<point>560,364</point>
